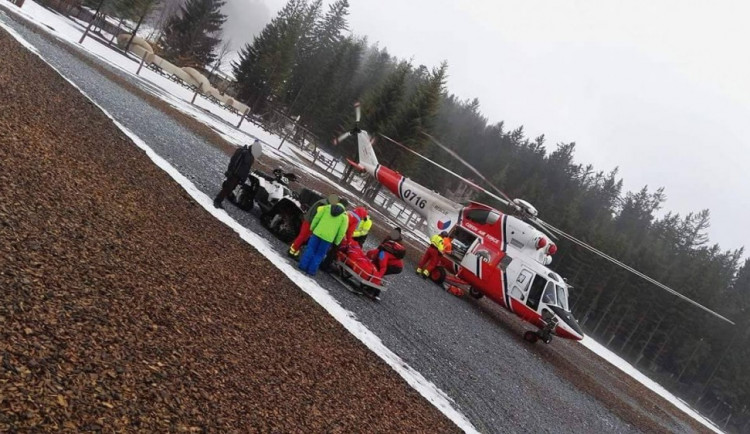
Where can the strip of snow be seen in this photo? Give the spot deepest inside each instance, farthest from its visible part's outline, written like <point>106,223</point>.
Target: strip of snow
<point>426,388</point>
<point>629,369</point>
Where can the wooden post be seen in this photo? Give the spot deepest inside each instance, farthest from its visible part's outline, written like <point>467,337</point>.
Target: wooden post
<point>143,60</point>
<point>242,117</point>
<point>195,95</point>
<point>137,26</point>
<point>285,137</point>
<point>119,25</point>
<point>91,23</point>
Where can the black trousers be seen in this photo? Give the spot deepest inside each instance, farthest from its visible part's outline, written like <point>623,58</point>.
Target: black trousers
<point>227,186</point>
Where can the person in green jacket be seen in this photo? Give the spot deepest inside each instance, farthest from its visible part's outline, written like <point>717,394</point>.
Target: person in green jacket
<point>304,231</point>
<point>328,227</point>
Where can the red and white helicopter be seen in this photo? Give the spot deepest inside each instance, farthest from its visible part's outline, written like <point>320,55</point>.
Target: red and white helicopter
<point>502,256</point>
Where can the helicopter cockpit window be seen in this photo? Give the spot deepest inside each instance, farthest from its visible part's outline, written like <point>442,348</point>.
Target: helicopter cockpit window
<point>562,297</point>
<point>550,294</point>
<point>483,216</point>
<point>535,293</point>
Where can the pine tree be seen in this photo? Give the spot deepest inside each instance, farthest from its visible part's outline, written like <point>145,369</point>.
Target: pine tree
<point>416,118</point>
<point>191,36</point>
<point>264,66</point>
<point>317,51</point>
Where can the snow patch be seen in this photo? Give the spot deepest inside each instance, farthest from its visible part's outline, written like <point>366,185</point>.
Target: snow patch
<point>427,389</point>
<point>629,369</point>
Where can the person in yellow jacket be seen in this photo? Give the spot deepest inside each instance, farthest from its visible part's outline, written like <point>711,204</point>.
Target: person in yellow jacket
<point>433,253</point>
<point>328,227</point>
<point>363,228</point>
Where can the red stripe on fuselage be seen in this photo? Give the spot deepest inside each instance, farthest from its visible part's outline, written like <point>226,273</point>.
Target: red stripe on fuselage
<point>526,313</point>
<point>389,178</point>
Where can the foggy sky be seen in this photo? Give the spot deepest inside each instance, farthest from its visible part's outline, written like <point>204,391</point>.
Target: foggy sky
<point>245,19</point>
<point>658,89</point>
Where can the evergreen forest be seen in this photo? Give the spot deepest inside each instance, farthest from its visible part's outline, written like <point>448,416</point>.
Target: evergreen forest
<point>308,62</point>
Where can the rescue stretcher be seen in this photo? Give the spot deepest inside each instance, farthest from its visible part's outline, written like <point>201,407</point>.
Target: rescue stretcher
<point>358,281</point>
<point>356,272</point>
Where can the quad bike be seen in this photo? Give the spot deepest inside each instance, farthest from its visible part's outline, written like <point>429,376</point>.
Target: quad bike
<point>281,208</point>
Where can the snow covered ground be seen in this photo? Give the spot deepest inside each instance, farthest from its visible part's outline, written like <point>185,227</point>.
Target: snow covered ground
<point>224,122</point>
<point>651,384</point>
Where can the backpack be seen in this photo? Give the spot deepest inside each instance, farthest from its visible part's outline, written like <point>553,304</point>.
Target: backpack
<point>394,248</point>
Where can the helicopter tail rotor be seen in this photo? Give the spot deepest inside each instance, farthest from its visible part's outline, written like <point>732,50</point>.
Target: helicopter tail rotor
<point>342,137</point>
<point>355,130</point>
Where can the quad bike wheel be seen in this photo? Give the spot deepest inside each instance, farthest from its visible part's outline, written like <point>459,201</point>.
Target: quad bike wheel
<point>244,199</point>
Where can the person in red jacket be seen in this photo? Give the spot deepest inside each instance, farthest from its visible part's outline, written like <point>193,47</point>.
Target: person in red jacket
<point>432,255</point>
<point>387,257</point>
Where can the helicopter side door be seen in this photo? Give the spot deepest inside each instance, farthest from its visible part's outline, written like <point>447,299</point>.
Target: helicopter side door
<point>472,259</point>
<point>481,268</point>
<point>520,287</point>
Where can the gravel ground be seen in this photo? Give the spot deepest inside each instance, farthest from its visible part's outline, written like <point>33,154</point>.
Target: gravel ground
<point>471,350</point>
<point>123,305</point>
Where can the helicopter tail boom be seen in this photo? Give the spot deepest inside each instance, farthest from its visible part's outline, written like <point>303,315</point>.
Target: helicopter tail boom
<point>440,212</point>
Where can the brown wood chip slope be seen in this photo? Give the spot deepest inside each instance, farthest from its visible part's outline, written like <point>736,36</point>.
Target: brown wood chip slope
<point>126,306</point>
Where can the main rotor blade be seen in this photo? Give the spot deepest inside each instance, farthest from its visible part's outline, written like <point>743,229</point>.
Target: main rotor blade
<point>357,111</point>
<point>470,167</point>
<point>538,224</point>
<point>629,268</point>
<point>472,184</point>
<point>342,137</point>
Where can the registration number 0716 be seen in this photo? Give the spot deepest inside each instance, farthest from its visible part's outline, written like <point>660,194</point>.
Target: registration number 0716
<point>413,197</point>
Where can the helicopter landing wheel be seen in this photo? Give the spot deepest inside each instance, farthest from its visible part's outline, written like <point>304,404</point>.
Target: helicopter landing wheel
<point>475,294</point>
<point>530,336</point>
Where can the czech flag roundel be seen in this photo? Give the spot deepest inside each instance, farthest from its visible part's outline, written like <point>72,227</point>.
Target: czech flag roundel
<point>442,225</point>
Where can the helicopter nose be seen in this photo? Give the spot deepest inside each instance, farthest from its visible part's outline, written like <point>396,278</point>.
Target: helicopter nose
<point>568,328</point>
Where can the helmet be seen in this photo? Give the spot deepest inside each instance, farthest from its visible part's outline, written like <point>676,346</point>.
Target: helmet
<point>360,211</point>
<point>444,234</point>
